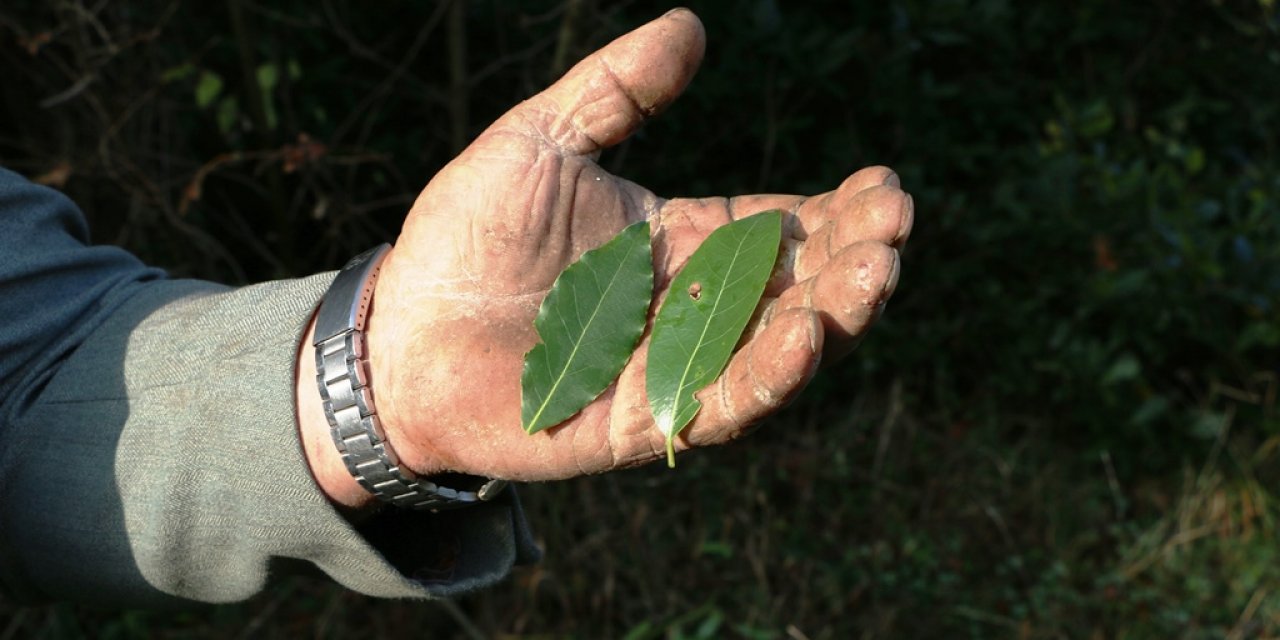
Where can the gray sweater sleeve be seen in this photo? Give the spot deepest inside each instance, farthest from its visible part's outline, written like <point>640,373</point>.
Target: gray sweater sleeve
<point>149,451</point>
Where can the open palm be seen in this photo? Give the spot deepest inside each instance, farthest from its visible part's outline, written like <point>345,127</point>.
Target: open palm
<point>454,307</point>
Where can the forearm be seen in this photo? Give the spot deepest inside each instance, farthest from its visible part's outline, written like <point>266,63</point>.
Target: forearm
<point>156,460</point>
<point>162,463</point>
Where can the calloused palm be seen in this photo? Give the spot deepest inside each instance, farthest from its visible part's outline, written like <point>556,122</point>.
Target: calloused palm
<point>454,307</point>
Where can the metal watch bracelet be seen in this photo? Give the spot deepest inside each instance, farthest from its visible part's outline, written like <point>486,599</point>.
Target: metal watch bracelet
<point>342,368</point>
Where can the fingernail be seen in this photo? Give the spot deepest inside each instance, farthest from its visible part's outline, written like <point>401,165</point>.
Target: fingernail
<point>908,219</point>
<point>673,12</point>
<point>892,180</point>
<point>813,327</point>
<point>891,283</point>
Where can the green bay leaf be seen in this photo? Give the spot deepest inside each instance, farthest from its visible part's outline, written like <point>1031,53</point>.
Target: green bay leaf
<point>707,307</point>
<point>588,324</point>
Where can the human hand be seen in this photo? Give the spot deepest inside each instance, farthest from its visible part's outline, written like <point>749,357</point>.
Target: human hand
<point>453,309</point>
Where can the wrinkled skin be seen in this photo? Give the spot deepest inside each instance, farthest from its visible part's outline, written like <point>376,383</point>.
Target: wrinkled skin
<point>453,309</point>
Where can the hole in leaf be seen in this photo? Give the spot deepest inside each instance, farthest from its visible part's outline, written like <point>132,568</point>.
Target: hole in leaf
<point>695,290</point>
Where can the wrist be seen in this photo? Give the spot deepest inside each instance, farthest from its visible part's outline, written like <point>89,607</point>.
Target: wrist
<point>333,478</point>
<point>345,386</point>
<point>404,390</point>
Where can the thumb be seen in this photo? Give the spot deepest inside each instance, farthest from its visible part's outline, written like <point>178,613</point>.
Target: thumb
<point>608,95</point>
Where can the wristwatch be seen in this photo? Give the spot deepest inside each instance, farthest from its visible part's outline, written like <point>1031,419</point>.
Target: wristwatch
<point>342,368</point>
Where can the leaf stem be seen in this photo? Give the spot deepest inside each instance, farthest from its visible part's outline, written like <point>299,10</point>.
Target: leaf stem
<point>671,453</point>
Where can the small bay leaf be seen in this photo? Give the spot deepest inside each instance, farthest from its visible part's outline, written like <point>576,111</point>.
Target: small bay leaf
<point>707,307</point>
<point>588,324</point>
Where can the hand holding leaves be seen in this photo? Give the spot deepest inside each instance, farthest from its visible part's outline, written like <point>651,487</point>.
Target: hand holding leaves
<point>453,313</point>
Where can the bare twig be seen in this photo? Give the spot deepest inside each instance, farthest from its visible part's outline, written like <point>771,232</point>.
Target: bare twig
<point>310,21</point>
<point>1246,616</point>
<point>892,414</point>
<point>248,66</point>
<point>977,615</point>
<point>459,88</point>
<point>397,71</point>
<point>1113,482</point>
<point>279,597</point>
<point>469,628</point>
<point>499,63</point>
<point>770,143</point>
<point>15,625</point>
<point>90,17</point>
<point>566,39</point>
<point>74,90</point>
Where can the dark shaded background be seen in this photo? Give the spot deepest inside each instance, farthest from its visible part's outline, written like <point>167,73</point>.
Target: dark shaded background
<point>1065,425</point>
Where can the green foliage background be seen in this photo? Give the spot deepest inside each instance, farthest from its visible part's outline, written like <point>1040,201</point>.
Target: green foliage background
<point>1065,425</point>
